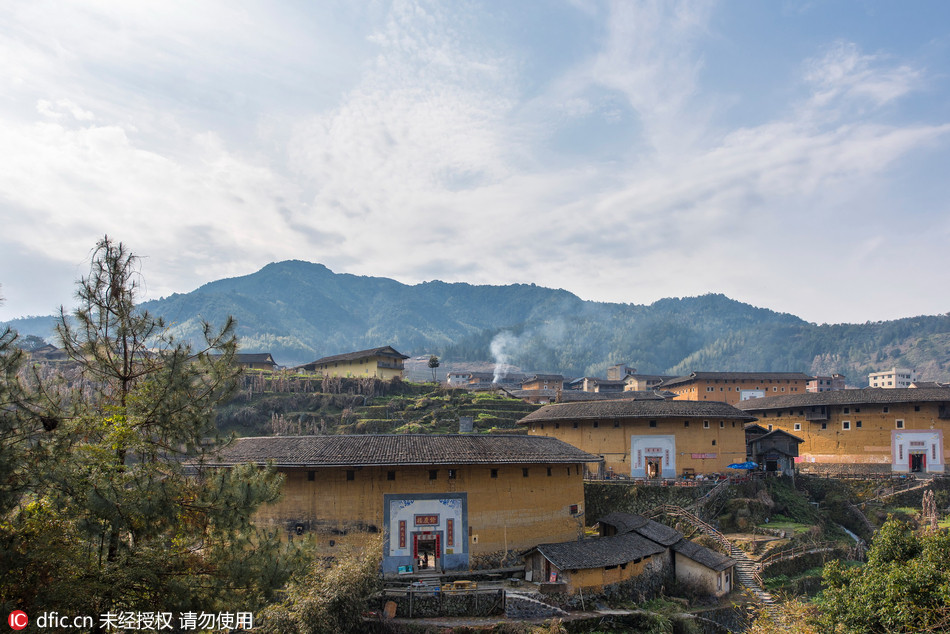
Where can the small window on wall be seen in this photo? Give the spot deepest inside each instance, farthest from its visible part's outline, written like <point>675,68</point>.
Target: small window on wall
<point>652,423</point>
<point>714,442</point>
<point>350,475</point>
<point>845,425</point>
<point>824,426</point>
<point>886,409</point>
<point>798,426</point>
<point>722,424</point>
<point>453,473</point>
<point>616,424</point>
<point>770,428</point>
<point>916,408</point>
<point>575,424</point>
<point>899,424</point>
<point>557,425</point>
<point>574,509</point>
<point>685,423</point>
<point>524,472</point>
<point>705,424</point>
<point>596,424</point>
<point>391,475</point>
<point>549,472</point>
<point>311,476</point>
<point>494,473</point>
<point>857,424</point>
<point>433,474</point>
<point>846,410</point>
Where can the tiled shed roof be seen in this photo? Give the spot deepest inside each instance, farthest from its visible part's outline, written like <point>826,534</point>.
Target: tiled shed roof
<point>652,530</point>
<point>598,552</point>
<point>401,449</point>
<point>702,555</point>
<point>637,537</point>
<point>871,395</point>
<point>736,376</point>
<point>635,409</point>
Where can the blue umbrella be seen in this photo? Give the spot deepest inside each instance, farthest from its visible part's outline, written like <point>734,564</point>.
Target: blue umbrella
<point>743,465</point>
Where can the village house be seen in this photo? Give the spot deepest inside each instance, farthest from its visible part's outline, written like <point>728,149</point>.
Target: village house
<point>593,564</point>
<point>458,378</point>
<point>442,501</point>
<point>630,548</point>
<point>862,431</point>
<point>826,383</point>
<point>733,387</point>
<point>382,363</point>
<point>644,382</point>
<point>543,382</point>
<point>648,438</point>
<point>255,361</point>
<point>619,372</point>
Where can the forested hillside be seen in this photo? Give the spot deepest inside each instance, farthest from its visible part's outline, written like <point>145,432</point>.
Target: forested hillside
<point>300,311</point>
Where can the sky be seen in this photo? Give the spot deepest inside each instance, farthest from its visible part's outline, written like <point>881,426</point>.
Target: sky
<point>792,155</point>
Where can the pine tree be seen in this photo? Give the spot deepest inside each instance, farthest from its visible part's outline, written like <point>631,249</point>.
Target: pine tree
<point>126,515</point>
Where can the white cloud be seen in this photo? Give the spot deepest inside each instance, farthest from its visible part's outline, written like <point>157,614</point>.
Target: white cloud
<point>399,140</point>
<point>846,73</point>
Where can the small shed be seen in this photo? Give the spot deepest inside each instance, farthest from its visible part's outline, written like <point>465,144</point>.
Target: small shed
<point>776,450</point>
<point>591,564</point>
<point>703,569</point>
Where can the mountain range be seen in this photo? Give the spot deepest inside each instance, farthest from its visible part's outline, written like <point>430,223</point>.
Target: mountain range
<point>300,311</point>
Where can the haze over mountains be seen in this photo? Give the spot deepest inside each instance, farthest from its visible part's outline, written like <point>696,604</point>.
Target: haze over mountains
<point>300,311</point>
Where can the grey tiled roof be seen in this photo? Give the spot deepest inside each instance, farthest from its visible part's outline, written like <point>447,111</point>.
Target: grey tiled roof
<point>635,409</point>
<point>702,555</point>
<point>637,537</point>
<point>871,395</point>
<point>630,522</point>
<point>254,357</point>
<point>384,351</point>
<point>649,377</point>
<point>401,449</point>
<point>571,396</point>
<point>734,376</point>
<point>599,551</point>
<point>776,432</point>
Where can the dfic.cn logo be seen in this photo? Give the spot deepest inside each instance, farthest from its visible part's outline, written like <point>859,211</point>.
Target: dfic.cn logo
<point>18,620</point>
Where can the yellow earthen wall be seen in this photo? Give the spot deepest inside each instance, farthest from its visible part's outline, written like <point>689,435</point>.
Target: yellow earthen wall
<point>869,444</point>
<point>507,512</point>
<point>362,368</point>
<point>613,443</point>
<point>596,578</point>
<point>725,389</point>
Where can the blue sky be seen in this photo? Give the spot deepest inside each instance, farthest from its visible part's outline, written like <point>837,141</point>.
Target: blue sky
<point>792,155</point>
